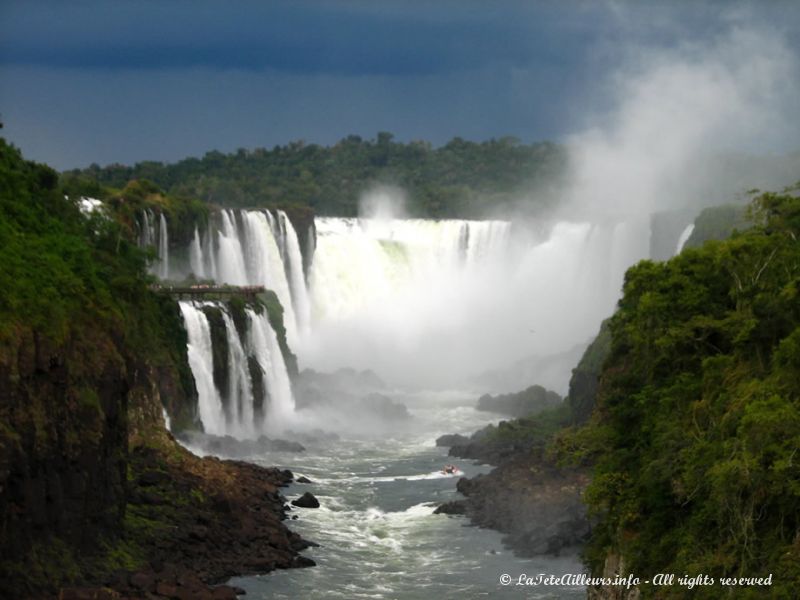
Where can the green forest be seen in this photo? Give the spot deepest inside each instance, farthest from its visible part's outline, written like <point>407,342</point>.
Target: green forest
<point>459,179</point>
<point>696,428</point>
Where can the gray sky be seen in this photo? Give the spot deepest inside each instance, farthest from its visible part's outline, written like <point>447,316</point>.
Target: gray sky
<point>113,81</point>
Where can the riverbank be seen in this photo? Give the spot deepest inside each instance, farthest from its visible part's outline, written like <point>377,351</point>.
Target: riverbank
<point>195,522</point>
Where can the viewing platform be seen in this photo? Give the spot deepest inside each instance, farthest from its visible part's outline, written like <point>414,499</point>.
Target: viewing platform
<point>193,291</point>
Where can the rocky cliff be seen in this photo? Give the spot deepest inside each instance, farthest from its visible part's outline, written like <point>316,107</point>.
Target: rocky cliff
<point>93,490</point>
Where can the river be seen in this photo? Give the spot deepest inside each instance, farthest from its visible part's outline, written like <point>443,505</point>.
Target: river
<point>377,532</point>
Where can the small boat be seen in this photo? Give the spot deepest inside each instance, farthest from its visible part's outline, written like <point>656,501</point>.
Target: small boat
<point>450,470</point>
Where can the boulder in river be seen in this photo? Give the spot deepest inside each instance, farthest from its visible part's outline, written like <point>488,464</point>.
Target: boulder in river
<point>454,507</point>
<point>307,500</point>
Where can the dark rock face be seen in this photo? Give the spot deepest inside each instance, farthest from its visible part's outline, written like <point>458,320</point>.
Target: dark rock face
<point>537,505</point>
<point>63,446</point>
<point>303,479</point>
<point>88,473</point>
<point>307,500</point>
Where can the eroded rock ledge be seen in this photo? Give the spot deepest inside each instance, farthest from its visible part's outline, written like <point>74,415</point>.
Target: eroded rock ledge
<point>535,503</point>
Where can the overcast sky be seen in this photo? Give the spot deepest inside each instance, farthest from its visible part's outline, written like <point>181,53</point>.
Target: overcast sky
<point>113,81</point>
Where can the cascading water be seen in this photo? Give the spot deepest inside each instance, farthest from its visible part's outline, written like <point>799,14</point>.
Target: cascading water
<point>444,300</point>
<point>293,259</point>
<point>196,256</point>
<point>163,248</point>
<point>685,235</point>
<point>359,263</point>
<point>231,402</point>
<point>150,236</point>
<point>244,248</point>
<point>201,362</point>
<point>265,265</point>
<point>147,232</point>
<point>230,260</point>
<point>240,397</point>
<point>264,343</point>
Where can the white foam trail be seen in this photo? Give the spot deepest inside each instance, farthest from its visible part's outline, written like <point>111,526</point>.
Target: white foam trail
<point>424,477</point>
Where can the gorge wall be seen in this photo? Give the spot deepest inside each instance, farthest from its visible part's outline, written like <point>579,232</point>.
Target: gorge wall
<point>93,488</point>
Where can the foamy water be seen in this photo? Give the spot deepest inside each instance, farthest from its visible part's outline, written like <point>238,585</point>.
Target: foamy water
<point>377,532</point>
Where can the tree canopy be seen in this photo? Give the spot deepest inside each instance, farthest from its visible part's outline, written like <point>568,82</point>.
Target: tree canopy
<point>696,430</point>
<point>461,178</point>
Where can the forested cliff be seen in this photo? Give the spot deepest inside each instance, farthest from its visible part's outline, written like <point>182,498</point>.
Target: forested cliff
<point>695,432</point>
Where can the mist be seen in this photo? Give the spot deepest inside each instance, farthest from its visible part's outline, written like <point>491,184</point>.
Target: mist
<point>689,127</point>
<point>681,118</point>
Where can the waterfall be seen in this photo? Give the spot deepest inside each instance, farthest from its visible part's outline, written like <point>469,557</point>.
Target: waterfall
<point>685,234</point>
<point>294,265</point>
<point>265,266</point>
<point>201,362</point>
<point>240,387</point>
<point>434,300</point>
<point>163,248</point>
<point>147,234</point>
<point>253,247</point>
<point>196,259</point>
<point>241,408</point>
<point>361,262</point>
<point>264,344</point>
<point>230,261</point>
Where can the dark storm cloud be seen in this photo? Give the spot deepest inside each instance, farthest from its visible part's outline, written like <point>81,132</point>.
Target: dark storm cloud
<point>109,81</point>
<point>295,37</point>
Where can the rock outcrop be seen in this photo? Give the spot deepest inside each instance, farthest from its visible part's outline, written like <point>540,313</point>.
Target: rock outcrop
<point>535,503</point>
<point>520,404</point>
<point>537,506</point>
<point>307,500</point>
